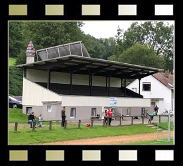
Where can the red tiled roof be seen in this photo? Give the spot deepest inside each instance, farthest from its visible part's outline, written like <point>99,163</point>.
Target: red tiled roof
<point>165,78</point>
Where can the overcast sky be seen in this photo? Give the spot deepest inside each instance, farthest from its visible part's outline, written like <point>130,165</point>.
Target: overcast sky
<point>106,29</point>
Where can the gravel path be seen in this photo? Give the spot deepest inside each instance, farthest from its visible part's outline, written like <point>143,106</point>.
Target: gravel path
<point>114,140</point>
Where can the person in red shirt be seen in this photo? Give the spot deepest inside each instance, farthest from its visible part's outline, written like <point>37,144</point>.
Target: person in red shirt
<point>109,113</point>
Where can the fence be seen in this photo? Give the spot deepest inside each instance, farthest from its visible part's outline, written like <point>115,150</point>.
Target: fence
<point>123,121</point>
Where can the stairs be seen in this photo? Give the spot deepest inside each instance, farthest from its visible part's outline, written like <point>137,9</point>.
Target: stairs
<point>153,126</point>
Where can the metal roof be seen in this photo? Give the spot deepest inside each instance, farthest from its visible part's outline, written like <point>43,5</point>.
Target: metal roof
<point>86,65</point>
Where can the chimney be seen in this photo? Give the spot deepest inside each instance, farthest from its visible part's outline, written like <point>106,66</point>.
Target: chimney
<point>167,73</point>
<point>30,53</point>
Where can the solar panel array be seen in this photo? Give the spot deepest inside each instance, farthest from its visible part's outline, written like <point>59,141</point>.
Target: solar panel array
<point>76,48</point>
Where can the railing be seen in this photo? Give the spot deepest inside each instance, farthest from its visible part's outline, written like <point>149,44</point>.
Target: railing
<point>92,119</point>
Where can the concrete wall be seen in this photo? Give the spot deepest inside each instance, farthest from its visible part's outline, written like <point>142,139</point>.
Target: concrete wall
<point>71,100</point>
<point>64,78</point>
<point>36,109</point>
<point>82,112</point>
<point>55,113</point>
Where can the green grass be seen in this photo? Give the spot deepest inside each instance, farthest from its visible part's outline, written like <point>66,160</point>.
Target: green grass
<point>153,142</point>
<point>42,135</point>
<point>25,135</point>
<point>12,61</point>
<point>164,125</point>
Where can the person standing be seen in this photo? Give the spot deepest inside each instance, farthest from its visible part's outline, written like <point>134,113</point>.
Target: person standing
<point>31,119</point>
<point>63,116</point>
<point>40,120</point>
<point>156,108</point>
<point>109,112</point>
<point>105,117</point>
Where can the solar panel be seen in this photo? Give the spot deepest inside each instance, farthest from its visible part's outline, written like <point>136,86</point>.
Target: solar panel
<point>76,48</point>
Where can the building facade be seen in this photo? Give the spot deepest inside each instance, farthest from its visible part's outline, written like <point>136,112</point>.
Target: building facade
<point>67,76</point>
<point>159,88</point>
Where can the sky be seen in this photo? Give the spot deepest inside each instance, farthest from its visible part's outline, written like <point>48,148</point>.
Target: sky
<point>106,29</point>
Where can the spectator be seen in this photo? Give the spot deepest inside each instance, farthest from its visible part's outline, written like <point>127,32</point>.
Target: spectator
<point>105,116</point>
<point>109,112</point>
<point>156,108</point>
<point>152,115</point>
<point>40,120</point>
<point>31,119</point>
<point>63,116</point>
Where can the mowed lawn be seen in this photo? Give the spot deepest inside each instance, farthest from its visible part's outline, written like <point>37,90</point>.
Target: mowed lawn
<point>25,135</point>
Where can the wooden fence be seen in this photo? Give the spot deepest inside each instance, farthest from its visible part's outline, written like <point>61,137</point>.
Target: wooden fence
<point>92,121</point>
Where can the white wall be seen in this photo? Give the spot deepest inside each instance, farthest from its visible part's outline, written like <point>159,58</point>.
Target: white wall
<point>158,90</point>
<point>64,78</point>
<point>34,94</point>
<point>71,100</point>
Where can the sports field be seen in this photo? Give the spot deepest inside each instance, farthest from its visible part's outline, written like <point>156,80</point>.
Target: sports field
<point>72,135</point>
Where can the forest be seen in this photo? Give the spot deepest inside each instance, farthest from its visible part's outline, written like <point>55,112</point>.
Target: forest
<point>148,44</point>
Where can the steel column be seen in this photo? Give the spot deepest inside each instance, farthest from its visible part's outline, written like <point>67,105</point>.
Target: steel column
<point>48,79</point>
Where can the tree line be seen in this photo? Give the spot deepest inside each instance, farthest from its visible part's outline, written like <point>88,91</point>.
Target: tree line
<point>149,44</point>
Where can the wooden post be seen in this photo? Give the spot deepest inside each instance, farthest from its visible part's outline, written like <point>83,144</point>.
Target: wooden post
<point>50,126</point>
<point>91,122</point>
<point>79,123</point>
<point>120,120</point>
<point>159,119</point>
<point>107,121</point>
<point>132,121</point>
<point>150,119</point>
<point>142,119</point>
<point>16,126</point>
<point>65,124</point>
<point>104,122</point>
<point>34,125</point>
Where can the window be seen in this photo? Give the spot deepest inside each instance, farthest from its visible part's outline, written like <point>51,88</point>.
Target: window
<point>73,113</point>
<point>28,110</point>
<point>93,112</point>
<point>146,86</point>
<point>128,112</point>
<point>143,111</point>
<point>49,108</point>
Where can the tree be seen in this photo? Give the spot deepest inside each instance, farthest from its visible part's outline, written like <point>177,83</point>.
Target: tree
<point>142,55</point>
<point>15,81</point>
<point>15,38</point>
<point>156,34</point>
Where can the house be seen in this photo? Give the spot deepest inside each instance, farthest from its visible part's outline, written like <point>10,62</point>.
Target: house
<point>158,87</point>
<point>66,75</point>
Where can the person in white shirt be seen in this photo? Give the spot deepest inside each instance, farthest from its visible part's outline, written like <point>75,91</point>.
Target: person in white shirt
<point>40,120</point>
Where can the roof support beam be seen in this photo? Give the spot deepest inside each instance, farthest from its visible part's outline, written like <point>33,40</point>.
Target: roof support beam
<point>139,85</point>
<point>48,79</point>
<point>24,72</point>
<point>90,83</point>
<point>70,82</point>
<point>108,85</point>
<point>81,49</point>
